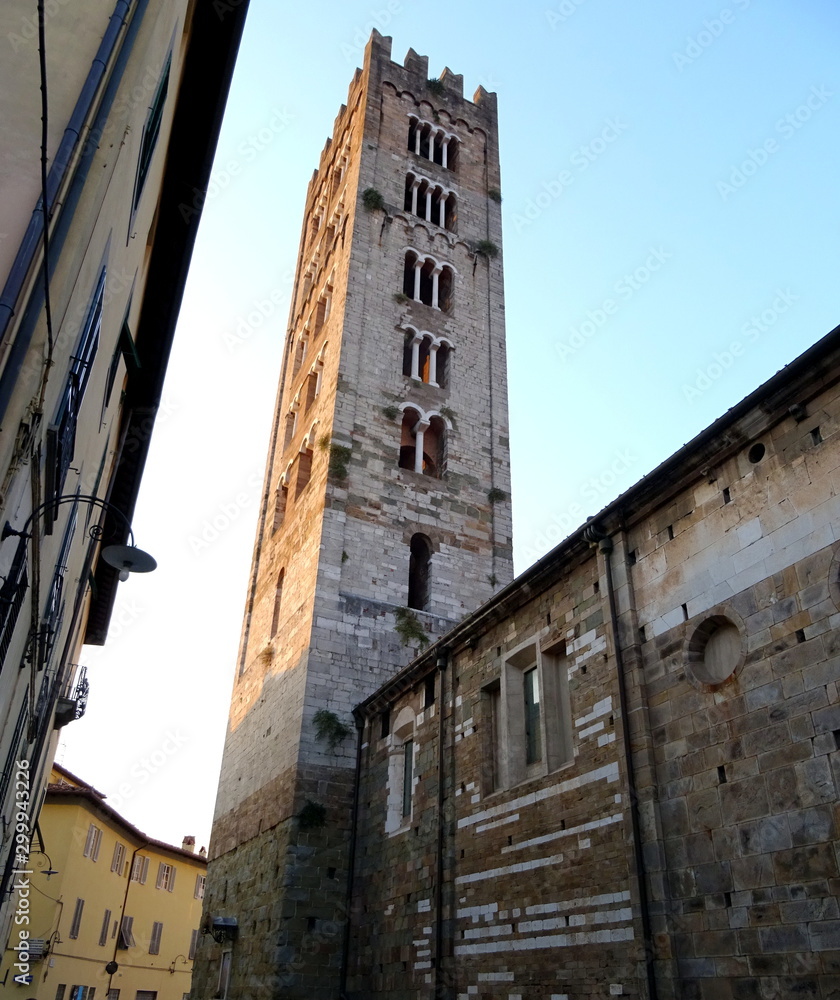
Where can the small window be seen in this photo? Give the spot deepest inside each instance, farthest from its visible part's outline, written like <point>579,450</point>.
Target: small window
<point>165,877</point>
<point>200,883</point>
<point>93,842</point>
<point>419,572</point>
<point>126,938</point>
<point>275,623</point>
<point>140,869</point>
<point>408,777</point>
<point>533,726</point>
<point>224,974</point>
<point>60,991</point>
<point>429,691</point>
<point>151,131</point>
<point>76,922</point>
<point>194,936</point>
<point>281,502</point>
<point>304,471</point>
<point>291,421</point>
<point>106,924</point>
<point>118,859</point>
<point>154,943</point>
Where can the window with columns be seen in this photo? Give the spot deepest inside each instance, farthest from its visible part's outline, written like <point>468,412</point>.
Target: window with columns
<point>428,281</point>
<point>432,143</point>
<point>430,201</point>
<point>426,358</point>
<point>422,442</point>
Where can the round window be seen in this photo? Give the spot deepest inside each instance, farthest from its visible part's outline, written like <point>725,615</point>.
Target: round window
<point>714,651</point>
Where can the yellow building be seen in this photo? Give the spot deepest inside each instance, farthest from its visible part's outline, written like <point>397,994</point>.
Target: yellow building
<point>102,894</point>
<point>109,111</point>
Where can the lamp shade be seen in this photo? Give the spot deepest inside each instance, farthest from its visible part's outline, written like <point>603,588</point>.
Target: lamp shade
<point>128,559</point>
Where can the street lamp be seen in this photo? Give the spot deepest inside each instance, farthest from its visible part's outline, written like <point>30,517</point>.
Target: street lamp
<point>125,558</point>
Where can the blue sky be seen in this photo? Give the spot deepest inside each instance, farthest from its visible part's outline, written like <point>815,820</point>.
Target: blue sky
<point>670,212</point>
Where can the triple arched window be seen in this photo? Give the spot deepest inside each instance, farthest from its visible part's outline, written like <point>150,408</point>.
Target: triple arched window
<point>426,357</point>
<point>432,142</point>
<point>431,201</point>
<point>428,280</point>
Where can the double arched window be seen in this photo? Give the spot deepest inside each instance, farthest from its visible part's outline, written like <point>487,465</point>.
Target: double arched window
<point>423,441</point>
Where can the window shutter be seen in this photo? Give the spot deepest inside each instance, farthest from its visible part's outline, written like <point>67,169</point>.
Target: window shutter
<point>106,923</point>
<point>77,918</point>
<point>172,878</point>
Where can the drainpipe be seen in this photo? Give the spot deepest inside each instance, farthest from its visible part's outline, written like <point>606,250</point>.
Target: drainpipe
<point>442,660</point>
<point>33,238</point>
<point>112,967</point>
<point>595,536</point>
<point>351,860</point>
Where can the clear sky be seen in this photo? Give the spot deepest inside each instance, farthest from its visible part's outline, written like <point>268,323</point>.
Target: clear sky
<point>671,229</point>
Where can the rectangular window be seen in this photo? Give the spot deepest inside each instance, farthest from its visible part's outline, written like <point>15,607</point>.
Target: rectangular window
<point>151,131</point>
<point>165,877</point>
<point>61,434</point>
<point>93,842</point>
<point>408,776</point>
<point>140,869</point>
<point>126,939</point>
<point>491,759</point>
<point>11,598</point>
<point>224,974</point>
<point>60,990</point>
<point>76,923</point>
<point>154,944</point>
<point>200,883</point>
<point>193,944</point>
<point>112,995</point>
<point>533,722</point>
<point>14,750</point>
<point>119,858</point>
<point>103,934</point>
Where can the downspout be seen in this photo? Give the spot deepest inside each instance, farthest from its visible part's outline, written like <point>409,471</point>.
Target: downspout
<point>33,236</point>
<point>442,661</point>
<point>351,860</point>
<point>112,967</point>
<point>595,536</point>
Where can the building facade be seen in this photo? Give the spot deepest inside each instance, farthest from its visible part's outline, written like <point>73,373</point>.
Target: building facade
<point>619,777</point>
<point>386,512</point>
<point>130,93</point>
<point>102,891</point>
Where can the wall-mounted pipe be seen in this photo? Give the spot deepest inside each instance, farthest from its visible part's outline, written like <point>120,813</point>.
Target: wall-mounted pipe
<point>33,237</point>
<point>594,535</point>
<point>442,662</point>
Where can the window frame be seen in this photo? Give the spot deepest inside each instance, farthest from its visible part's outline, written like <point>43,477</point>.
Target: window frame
<point>93,843</point>
<point>154,940</point>
<point>76,922</point>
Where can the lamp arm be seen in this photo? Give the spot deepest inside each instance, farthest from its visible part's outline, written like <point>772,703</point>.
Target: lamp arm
<point>94,501</point>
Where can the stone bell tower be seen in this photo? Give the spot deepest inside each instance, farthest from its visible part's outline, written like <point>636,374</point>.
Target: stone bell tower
<point>386,512</point>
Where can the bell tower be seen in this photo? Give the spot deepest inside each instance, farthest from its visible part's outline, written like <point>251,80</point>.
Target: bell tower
<point>386,512</point>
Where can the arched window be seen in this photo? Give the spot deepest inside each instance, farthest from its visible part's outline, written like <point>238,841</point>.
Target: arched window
<point>278,600</point>
<point>427,281</point>
<point>442,359</point>
<point>304,470</point>
<point>280,503</point>
<point>429,201</point>
<point>401,772</point>
<point>419,573</point>
<point>291,422</point>
<point>432,143</point>
<point>422,443</point>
